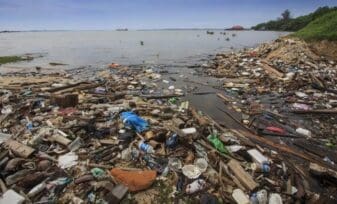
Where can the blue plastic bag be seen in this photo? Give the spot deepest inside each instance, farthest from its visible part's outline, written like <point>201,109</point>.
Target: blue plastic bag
<point>134,121</point>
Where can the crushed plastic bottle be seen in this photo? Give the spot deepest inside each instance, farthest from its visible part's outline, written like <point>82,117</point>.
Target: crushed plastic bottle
<point>213,138</point>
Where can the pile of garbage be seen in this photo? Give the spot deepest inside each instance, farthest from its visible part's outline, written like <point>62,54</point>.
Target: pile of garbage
<point>285,77</point>
<point>117,138</point>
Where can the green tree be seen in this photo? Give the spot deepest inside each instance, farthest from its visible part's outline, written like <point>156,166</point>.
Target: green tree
<point>286,15</point>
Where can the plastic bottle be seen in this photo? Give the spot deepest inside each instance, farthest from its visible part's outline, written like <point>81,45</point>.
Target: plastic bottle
<point>253,199</point>
<point>172,141</point>
<point>145,147</point>
<point>217,143</point>
<point>262,196</point>
<point>29,125</point>
<point>240,197</point>
<point>303,132</point>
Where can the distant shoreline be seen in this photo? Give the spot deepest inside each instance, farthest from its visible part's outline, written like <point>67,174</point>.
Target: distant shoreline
<point>162,29</point>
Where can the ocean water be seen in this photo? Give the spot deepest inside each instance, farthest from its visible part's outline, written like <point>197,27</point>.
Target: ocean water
<point>99,48</point>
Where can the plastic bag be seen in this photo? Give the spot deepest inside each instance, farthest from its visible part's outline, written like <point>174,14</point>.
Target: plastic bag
<point>132,120</point>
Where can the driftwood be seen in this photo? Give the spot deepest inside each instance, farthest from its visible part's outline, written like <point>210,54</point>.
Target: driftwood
<point>271,71</point>
<point>162,96</point>
<point>224,98</point>
<point>319,84</point>
<point>317,111</point>
<point>322,171</point>
<point>244,178</point>
<point>64,87</point>
<point>244,133</point>
<point>201,119</point>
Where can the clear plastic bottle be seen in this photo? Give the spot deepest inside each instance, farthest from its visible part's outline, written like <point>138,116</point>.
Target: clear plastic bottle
<point>145,147</point>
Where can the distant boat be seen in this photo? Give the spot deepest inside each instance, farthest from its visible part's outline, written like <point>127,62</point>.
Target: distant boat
<point>210,32</point>
<point>122,29</point>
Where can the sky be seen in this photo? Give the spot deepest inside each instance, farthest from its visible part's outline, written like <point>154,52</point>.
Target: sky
<point>145,14</point>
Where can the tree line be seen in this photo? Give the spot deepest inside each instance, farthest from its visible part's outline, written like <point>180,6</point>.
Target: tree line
<point>287,23</point>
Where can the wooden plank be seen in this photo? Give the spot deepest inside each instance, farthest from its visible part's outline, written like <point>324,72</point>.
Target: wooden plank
<point>318,111</point>
<point>270,70</point>
<point>161,96</point>
<point>243,133</point>
<point>322,171</point>
<point>52,90</point>
<point>242,175</point>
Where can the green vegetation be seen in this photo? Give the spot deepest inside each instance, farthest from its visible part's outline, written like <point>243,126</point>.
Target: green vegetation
<point>286,23</point>
<point>10,59</point>
<point>323,28</point>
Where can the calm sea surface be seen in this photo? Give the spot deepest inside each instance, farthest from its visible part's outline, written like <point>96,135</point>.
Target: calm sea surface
<point>99,48</point>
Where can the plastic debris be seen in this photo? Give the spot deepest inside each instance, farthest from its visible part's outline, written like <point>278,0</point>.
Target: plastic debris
<point>195,186</point>
<point>191,171</point>
<point>68,160</point>
<point>135,180</point>
<point>217,143</point>
<point>134,121</point>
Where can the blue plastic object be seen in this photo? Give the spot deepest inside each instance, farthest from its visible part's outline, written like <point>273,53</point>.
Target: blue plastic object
<point>172,141</point>
<point>134,121</point>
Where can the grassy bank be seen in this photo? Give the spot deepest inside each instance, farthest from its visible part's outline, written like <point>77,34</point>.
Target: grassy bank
<point>294,24</point>
<point>11,59</point>
<point>323,28</point>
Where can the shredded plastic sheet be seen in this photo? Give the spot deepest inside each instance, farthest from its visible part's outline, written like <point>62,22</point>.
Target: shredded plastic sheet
<point>68,160</point>
<point>134,121</point>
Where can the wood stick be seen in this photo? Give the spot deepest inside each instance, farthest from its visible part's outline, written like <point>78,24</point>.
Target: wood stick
<point>224,98</point>
<point>201,120</point>
<point>244,178</point>
<point>317,111</point>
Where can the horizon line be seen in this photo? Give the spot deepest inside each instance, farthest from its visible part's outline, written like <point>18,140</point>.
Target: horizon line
<point>117,29</point>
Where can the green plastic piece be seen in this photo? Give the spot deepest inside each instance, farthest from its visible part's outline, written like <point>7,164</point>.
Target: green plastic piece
<point>173,100</point>
<point>97,172</point>
<point>213,138</point>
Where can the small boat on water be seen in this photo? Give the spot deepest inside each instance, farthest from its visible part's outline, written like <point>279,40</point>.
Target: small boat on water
<point>210,32</point>
<point>122,29</point>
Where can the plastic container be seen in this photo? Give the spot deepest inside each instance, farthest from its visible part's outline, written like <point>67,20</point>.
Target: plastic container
<point>303,132</point>
<point>189,131</point>
<point>191,171</point>
<point>174,164</point>
<point>258,157</point>
<point>202,164</point>
<point>240,197</point>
